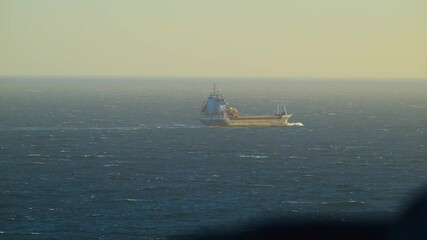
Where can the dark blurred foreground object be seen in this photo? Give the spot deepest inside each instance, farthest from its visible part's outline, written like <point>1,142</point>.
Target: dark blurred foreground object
<point>412,224</point>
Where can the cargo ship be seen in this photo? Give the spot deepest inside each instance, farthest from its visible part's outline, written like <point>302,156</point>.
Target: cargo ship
<point>216,112</point>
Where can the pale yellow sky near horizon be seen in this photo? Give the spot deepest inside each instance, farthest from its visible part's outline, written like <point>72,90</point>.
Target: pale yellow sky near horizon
<point>240,38</point>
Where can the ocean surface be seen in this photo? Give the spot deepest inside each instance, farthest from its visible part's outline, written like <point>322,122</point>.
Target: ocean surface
<point>105,158</point>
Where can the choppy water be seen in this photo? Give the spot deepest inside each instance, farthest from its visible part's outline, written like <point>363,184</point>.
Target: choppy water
<point>128,159</point>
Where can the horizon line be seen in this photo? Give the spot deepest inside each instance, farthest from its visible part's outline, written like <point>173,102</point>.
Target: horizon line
<point>165,77</point>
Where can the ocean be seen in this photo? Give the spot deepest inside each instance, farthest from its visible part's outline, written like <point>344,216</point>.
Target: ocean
<point>111,158</point>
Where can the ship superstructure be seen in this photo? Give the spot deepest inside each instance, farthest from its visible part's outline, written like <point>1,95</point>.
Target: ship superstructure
<point>216,112</point>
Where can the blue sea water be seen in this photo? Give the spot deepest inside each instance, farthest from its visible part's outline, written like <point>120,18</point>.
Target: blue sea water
<point>128,158</point>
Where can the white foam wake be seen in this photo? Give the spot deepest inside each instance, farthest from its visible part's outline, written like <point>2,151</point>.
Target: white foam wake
<point>295,124</point>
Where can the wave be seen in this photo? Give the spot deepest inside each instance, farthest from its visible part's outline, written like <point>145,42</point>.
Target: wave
<point>111,165</point>
<point>296,202</point>
<point>34,155</point>
<point>253,156</point>
<point>70,128</point>
<point>345,204</point>
<point>105,156</point>
<point>134,200</point>
<point>19,233</point>
<point>144,127</point>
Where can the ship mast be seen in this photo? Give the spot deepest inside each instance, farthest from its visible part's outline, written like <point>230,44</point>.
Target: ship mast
<point>285,110</point>
<point>215,93</point>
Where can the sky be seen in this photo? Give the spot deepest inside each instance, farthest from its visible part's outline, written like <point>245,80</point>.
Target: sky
<point>221,38</point>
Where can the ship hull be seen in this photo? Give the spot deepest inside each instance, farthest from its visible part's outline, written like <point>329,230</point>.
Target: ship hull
<point>246,121</point>
<point>215,120</point>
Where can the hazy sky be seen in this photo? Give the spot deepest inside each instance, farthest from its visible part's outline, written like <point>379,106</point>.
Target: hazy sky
<point>283,38</point>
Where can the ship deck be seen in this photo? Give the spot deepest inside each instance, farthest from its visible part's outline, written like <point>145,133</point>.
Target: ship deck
<point>257,117</point>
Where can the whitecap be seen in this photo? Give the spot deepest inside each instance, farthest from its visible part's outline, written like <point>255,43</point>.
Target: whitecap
<point>134,200</point>
<point>355,147</point>
<point>34,155</point>
<point>39,163</point>
<point>263,185</point>
<point>253,156</point>
<point>105,156</point>
<point>383,129</point>
<point>34,91</point>
<point>417,106</point>
<point>111,165</point>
